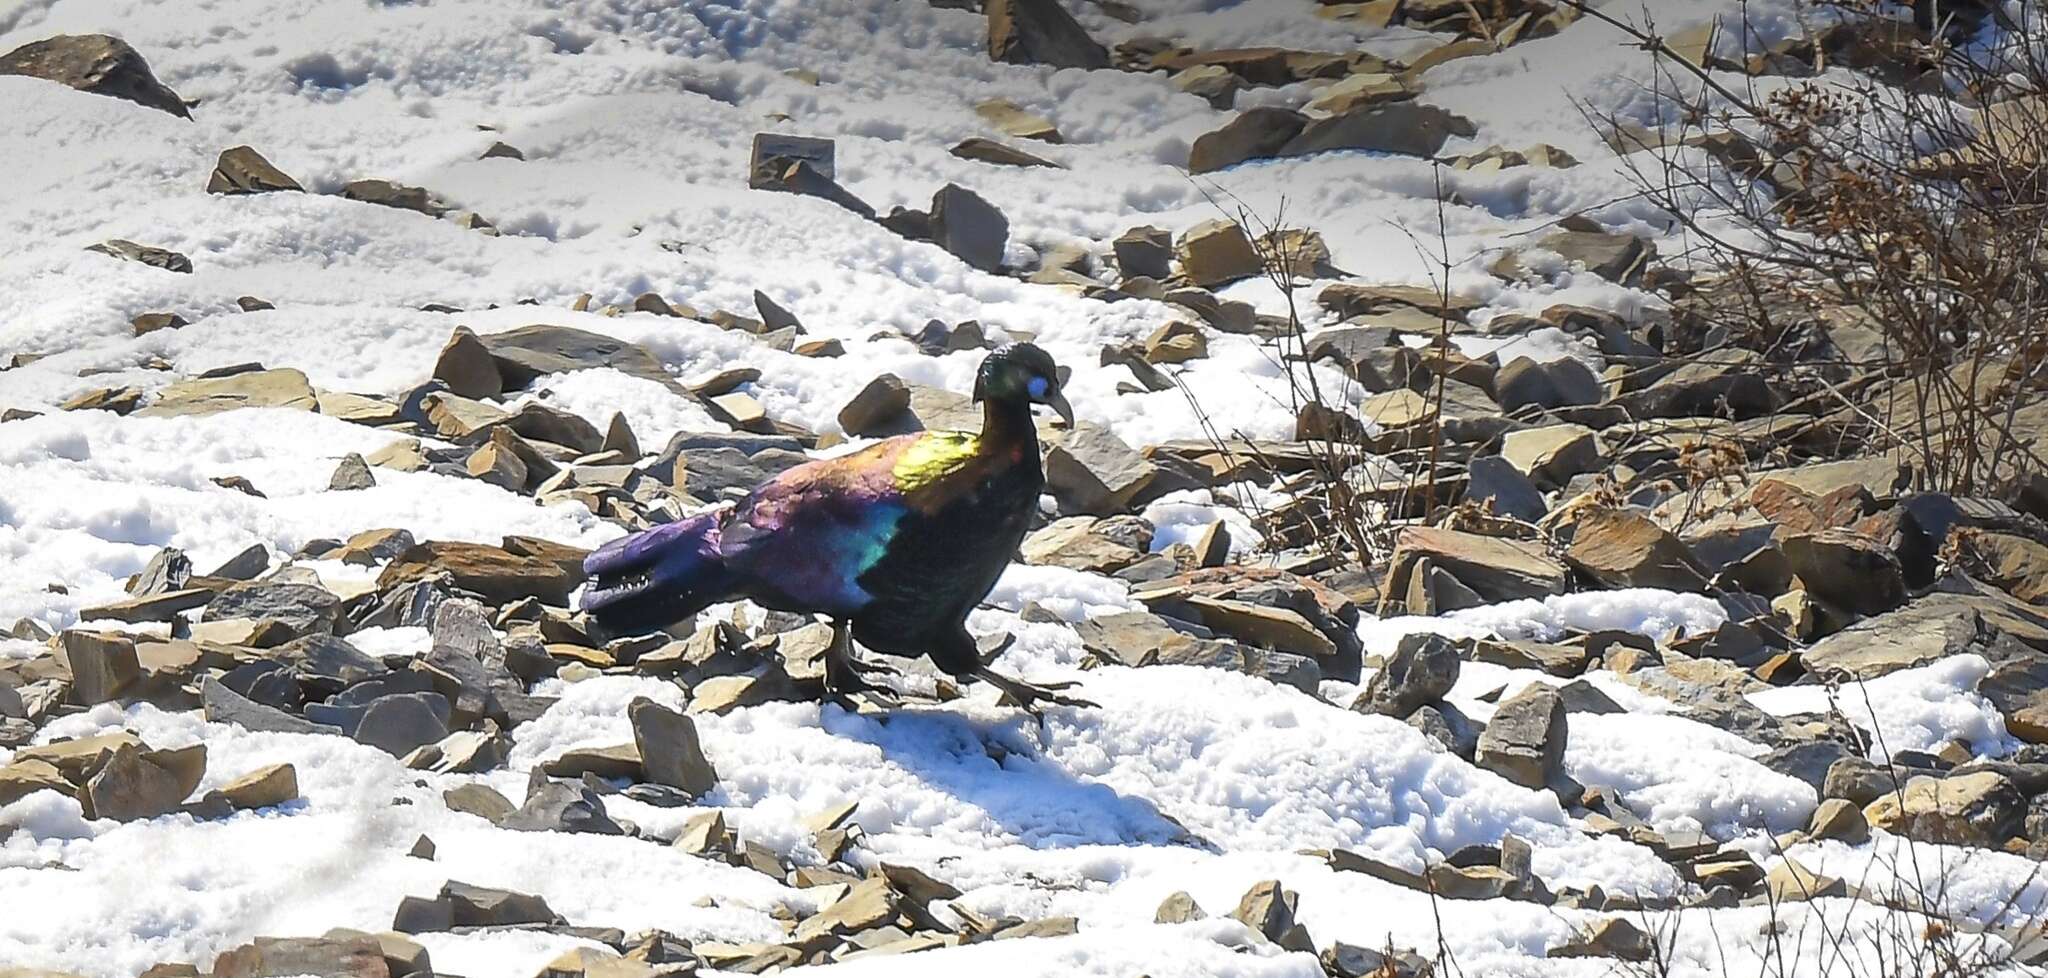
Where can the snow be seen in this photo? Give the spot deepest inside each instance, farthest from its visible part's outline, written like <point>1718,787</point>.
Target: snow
<point>1923,708</point>
<point>635,117</point>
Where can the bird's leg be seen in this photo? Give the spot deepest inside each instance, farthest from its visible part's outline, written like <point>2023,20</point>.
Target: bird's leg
<point>843,672</point>
<point>1028,695</point>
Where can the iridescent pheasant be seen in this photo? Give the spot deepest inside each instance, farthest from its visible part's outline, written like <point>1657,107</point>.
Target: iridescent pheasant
<point>895,543</point>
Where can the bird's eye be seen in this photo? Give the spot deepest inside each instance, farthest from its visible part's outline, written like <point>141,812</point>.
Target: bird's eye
<point>1037,387</point>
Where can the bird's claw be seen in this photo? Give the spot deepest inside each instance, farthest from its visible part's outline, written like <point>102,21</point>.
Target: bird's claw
<point>1030,696</point>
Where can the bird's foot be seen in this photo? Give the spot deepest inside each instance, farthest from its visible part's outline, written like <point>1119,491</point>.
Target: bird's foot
<point>1032,697</point>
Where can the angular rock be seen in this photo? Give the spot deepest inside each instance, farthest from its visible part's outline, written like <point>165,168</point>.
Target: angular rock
<point>241,170</point>
<point>1403,128</point>
<point>352,474</point>
<point>669,748</point>
<point>1525,740</point>
<point>261,388</point>
<point>1847,570</point>
<point>495,573</point>
<point>1040,32</point>
<point>279,957</point>
<point>265,787</point>
<point>103,665</point>
<point>388,194</point>
<point>132,785</point>
<point>1256,133</point>
<point>969,226</point>
<point>1623,548</point>
<point>1421,671</point>
<point>1564,382</point>
<point>466,365</point>
<point>1144,251</point>
<point>1552,454</point>
<point>877,406</point>
<point>1981,809</point>
<point>1493,568</point>
<point>562,806</point>
<point>1015,120</point>
<point>125,250</point>
<point>1218,252</point>
<point>95,63</point>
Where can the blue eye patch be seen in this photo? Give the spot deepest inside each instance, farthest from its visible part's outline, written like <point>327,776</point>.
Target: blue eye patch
<point>1037,387</point>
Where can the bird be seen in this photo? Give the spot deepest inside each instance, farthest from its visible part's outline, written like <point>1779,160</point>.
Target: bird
<point>894,543</point>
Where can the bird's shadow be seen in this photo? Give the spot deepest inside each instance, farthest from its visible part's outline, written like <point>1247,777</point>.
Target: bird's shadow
<point>997,767</point>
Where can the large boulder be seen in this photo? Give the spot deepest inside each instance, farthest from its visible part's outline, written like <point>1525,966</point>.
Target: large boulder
<point>1040,32</point>
<point>95,63</point>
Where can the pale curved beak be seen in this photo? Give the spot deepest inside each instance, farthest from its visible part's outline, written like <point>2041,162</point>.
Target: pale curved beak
<point>1058,402</point>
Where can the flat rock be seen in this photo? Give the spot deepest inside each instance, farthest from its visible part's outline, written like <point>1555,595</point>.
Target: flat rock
<point>530,352</point>
<point>154,257</point>
<point>103,665</point>
<point>283,388</point>
<point>279,957</point>
<point>265,787</point>
<point>990,151</point>
<point>497,574</point>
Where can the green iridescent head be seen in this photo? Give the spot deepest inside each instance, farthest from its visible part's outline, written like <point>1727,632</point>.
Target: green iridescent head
<point>1022,373</point>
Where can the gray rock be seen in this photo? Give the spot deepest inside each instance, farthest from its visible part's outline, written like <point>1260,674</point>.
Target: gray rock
<point>96,63</point>
<point>352,474</point>
<point>304,608</point>
<point>224,705</point>
<point>1090,470</point>
<point>1256,133</point>
<point>1144,251</point>
<point>481,906</point>
<point>168,570</point>
<point>388,194</point>
<point>328,664</point>
<point>1421,671</point>
<point>1809,762</point>
<point>244,566</point>
<point>1405,128</point>
<point>670,752</point>
<point>1525,740</point>
<point>1444,724</point>
<point>877,407</point>
<point>1557,383</point>
<point>125,250</point>
<point>530,352</point>
<point>1040,32</point>
<point>969,226</point>
<point>1492,479</point>
<point>562,806</point>
<point>400,723</point>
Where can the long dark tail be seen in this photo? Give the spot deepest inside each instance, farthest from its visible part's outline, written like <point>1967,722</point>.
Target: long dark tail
<point>655,578</point>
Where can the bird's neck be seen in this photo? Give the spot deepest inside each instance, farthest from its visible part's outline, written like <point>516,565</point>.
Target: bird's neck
<point>1006,426</point>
